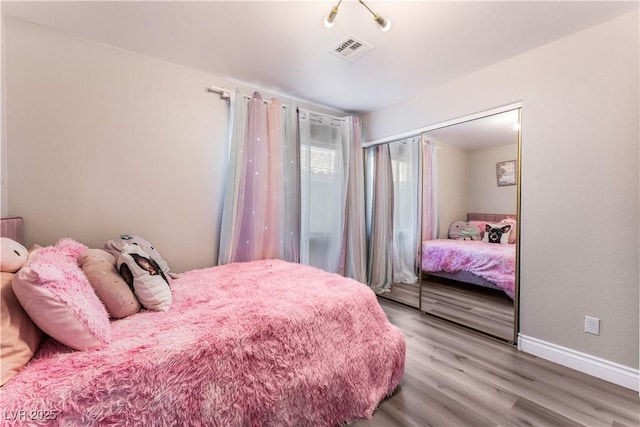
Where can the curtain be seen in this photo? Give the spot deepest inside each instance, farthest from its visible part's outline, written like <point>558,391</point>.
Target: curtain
<point>332,208</point>
<point>429,202</point>
<point>291,179</point>
<point>405,162</point>
<point>355,234</point>
<point>232,208</point>
<point>294,189</point>
<point>323,191</point>
<point>261,193</point>
<point>380,224</point>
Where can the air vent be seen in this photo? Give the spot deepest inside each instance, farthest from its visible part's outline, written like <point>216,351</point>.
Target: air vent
<point>351,48</point>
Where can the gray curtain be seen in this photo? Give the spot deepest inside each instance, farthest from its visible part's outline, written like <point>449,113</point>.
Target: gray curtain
<point>380,225</point>
<point>355,264</point>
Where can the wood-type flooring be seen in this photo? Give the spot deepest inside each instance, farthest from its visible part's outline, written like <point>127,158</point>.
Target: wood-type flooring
<point>486,310</point>
<point>457,377</point>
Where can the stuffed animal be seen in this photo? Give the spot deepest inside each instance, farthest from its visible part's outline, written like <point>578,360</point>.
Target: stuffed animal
<point>12,255</point>
<point>143,274</point>
<point>461,230</point>
<point>116,246</point>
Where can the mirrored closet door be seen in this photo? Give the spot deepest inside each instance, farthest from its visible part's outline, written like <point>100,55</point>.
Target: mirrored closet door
<point>470,266</point>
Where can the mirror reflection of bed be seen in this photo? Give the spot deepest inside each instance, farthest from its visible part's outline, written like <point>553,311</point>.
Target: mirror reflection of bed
<point>472,282</point>
<point>476,284</point>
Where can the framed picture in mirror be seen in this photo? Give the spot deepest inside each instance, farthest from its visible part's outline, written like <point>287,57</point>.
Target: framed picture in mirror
<point>506,173</point>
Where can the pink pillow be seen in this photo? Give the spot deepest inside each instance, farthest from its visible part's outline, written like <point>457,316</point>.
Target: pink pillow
<point>59,299</point>
<point>512,236</point>
<point>20,337</point>
<point>100,269</point>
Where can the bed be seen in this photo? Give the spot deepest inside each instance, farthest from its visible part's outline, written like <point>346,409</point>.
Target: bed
<point>263,343</point>
<point>474,262</point>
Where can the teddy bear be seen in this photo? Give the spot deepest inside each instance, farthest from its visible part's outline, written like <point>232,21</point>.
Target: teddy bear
<point>461,230</point>
<point>12,255</point>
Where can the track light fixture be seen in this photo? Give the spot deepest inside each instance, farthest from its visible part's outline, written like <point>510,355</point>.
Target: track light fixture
<point>383,23</point>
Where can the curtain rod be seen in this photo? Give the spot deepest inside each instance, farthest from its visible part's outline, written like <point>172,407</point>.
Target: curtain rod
<point>226,94</point>
<point>315,113</point>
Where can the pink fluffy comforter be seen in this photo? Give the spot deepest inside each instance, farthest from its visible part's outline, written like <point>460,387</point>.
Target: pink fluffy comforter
<point>493,262</point>
<point>265,343</point>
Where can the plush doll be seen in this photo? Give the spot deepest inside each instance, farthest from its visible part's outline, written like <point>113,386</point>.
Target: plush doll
<point>12,255</point>
<point>461,230</point>
<point>143,274</point>
<point>116,246</point>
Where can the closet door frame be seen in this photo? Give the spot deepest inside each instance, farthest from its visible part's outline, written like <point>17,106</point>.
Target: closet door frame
<point>458,120</point>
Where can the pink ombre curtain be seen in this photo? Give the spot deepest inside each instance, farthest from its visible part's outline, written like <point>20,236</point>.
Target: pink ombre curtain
<point>255,212</point>
<point>429,191</point>
<point>254,196</point>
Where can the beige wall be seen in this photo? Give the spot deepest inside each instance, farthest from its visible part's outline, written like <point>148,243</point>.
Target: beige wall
<point>484,195</point>
<point>101,141</point>
<point>467,183</point>
<point>4,211</point>
<point>579,176</point>
<point>453,177</point>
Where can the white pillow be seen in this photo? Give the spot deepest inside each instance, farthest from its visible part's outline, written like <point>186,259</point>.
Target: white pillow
<point>145,277</point>
<point>497,233</point>
<point>12,255</point>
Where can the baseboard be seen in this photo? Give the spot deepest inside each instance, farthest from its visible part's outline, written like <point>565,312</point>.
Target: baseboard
<point>594,366</point>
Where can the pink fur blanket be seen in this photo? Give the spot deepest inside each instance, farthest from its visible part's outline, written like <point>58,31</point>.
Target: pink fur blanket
<point>264,343</point>
<point>493,262</point>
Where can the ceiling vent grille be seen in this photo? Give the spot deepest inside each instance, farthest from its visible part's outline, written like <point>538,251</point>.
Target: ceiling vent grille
<point>351,48</point>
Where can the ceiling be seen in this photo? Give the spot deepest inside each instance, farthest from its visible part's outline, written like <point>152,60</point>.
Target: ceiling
<point>283,46</point>
<point>490,131</point>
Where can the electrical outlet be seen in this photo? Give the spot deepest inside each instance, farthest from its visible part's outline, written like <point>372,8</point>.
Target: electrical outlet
<point>592,325</point>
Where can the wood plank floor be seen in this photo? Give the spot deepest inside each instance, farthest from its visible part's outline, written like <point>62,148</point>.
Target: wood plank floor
<point>486,310</point>
<point>457,377</point>
<point>408,294</point>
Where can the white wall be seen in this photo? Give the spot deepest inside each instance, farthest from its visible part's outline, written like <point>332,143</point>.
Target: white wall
<point>101,141</point>
<point>483,193</point>
<point>579,179</point>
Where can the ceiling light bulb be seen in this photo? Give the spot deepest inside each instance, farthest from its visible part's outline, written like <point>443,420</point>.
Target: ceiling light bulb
<point>384,23</point>
<point>328,20</point>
